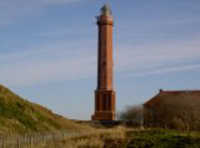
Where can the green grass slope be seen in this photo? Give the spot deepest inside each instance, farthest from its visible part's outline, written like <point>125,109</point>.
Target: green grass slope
<point>18,116</point>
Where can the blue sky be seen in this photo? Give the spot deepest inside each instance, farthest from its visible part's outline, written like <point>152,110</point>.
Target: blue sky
<point>48,50</point>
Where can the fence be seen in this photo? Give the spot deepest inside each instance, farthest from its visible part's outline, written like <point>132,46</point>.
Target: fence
<point>33,139</point>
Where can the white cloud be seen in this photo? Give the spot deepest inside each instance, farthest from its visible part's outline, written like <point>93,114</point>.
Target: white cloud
<point>10,10</point>
<point>34,72</point>
<point>61,61</point>
<point>157,71</point>
<point>48,63</point>
<point>59,1</point>
<point>155,55</point>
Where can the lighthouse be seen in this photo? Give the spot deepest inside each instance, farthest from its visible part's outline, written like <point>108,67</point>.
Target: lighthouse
<point>104,93</point>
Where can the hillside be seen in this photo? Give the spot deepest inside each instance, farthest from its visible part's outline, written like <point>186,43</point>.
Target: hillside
<point>18,116</point>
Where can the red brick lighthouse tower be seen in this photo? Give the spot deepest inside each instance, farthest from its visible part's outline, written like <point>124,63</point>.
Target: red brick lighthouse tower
<point>104,94</point>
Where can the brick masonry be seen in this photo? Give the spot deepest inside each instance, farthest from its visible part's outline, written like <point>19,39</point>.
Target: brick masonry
<point>104,94</point>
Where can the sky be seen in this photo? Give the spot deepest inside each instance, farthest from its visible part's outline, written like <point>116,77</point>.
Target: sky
<point>48,50</point>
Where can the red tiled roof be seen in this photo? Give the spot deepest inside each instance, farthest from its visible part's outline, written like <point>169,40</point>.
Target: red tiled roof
<point>166,94</point>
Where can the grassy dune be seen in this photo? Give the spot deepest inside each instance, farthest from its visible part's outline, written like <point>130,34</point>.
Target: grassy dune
<point>18,116</point>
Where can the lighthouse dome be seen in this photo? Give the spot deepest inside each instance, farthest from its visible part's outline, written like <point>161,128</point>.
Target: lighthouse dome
<point>105,10</point>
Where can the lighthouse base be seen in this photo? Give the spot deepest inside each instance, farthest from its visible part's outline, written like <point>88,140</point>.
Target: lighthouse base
<point>104,105</point>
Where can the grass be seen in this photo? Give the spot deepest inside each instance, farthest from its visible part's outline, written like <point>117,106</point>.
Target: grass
<point>135,138</point>
<point>163,138</point>
<point>19,116</point>
<point>96,138</point>
<point>122,137</point>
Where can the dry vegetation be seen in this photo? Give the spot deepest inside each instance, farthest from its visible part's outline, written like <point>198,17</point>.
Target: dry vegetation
<point>134,114</point>
<point>28,125</point>
<point>94,138</point>
<point>18,116</point>
<point>122,138</point>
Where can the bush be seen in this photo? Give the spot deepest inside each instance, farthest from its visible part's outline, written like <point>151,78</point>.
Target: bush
<point>133,114</point>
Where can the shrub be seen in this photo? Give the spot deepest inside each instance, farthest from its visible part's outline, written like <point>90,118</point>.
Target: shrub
<point>134,114</point>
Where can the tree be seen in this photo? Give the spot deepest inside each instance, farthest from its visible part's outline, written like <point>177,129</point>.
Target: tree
<point>133,113</point>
